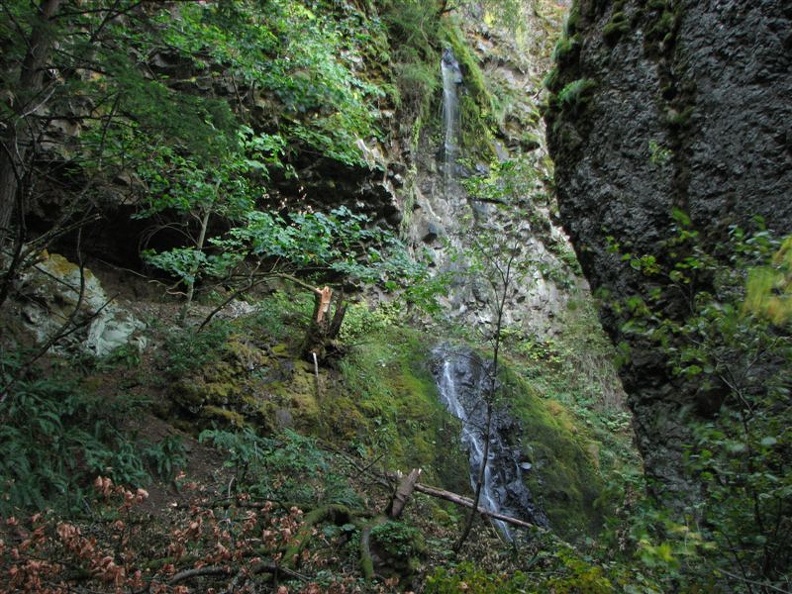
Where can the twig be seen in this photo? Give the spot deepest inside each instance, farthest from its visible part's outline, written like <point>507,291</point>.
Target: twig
<point>753,582</point>
<point>188,574</point>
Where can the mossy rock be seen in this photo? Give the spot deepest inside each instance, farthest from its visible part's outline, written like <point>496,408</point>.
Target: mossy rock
<point>223,417</point>
<point>616,28</point>
<point>564,478</point>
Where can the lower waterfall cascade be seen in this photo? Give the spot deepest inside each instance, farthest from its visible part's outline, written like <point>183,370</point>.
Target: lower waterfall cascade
<point>462,377</point>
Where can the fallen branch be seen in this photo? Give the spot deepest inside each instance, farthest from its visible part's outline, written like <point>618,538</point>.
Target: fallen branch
<point>467,502</point>
<point>188,574</point>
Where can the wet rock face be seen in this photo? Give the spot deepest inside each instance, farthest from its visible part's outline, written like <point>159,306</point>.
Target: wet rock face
<point>462,378</point>
<point>682,104</point>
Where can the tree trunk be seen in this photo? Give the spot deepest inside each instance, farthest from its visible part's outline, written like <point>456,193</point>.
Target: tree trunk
<point>479,481</point>
<point>402,494</point>
<point>324,328</point>
<point>27,98</point>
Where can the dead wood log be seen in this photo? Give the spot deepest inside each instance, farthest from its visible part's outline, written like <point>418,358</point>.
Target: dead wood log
<point>324,327</point>
<point>335,513</point>
<point>402,494</point>
<point>467,502</point>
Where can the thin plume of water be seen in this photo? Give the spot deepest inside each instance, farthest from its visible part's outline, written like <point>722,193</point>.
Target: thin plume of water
<point>473,438</point>
<point>452,78</point>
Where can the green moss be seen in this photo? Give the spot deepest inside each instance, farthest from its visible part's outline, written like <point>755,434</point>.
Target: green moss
<point>615,28</point>
<point>565,477</point>
<point>566,50</point>
<point>385,400</point>
<point>223,417</point>
<point>399,546</point>
<point>575,93</point>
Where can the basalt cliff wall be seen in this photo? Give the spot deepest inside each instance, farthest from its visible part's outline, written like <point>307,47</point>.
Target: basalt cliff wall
<point>659,107</point>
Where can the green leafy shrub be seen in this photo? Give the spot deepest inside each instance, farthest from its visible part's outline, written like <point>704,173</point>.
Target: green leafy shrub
<point>188,350</point>
<point>399,541</point>
<point>289,467</point>
<point>733,359</point>
<point>166,458</point>
<point>54,439</point>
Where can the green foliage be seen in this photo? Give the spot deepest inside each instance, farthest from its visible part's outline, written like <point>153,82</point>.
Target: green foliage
<point>317,245</point>
<point>54,439</point>
<point>574,92</point>
<point>733,358</point>
<point>290,467</point>
<point>188,350</point>
<point>279,315</point>
<point>660,155</point>
<point>304,59</point>
<point>399,541</point>
<point>560,570</point>
<point>138,88</point>
<point>166,458</point>
<point>418,33</point>
<point>769,287</point>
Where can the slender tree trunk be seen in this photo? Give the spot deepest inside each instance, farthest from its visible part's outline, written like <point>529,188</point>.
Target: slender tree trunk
<point>479,481</point>
<point>501,290</point>
<point>191,283</point>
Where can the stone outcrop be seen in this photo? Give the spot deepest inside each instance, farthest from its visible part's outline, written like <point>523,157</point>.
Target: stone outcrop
<point>59,302</point>
<point>661,106</point>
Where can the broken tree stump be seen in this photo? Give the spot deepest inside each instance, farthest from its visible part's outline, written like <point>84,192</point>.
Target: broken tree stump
<point>402,494</point>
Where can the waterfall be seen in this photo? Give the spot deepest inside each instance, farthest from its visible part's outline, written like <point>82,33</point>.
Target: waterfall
<point>452,78</point>
<point>462,378</point>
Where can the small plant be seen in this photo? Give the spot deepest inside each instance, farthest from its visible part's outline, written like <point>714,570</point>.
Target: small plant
<point>574,93</point>
<point>167,457</point>
<point>187,350</point>
<point>53,438</point>
<point>660,155</point>
<point>399,543</point>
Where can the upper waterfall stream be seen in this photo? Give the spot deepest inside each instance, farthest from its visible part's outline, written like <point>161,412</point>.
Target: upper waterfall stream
<point>452,78</point>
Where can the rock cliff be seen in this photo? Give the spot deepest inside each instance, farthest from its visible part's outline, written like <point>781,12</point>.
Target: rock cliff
<point>660,107</point>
